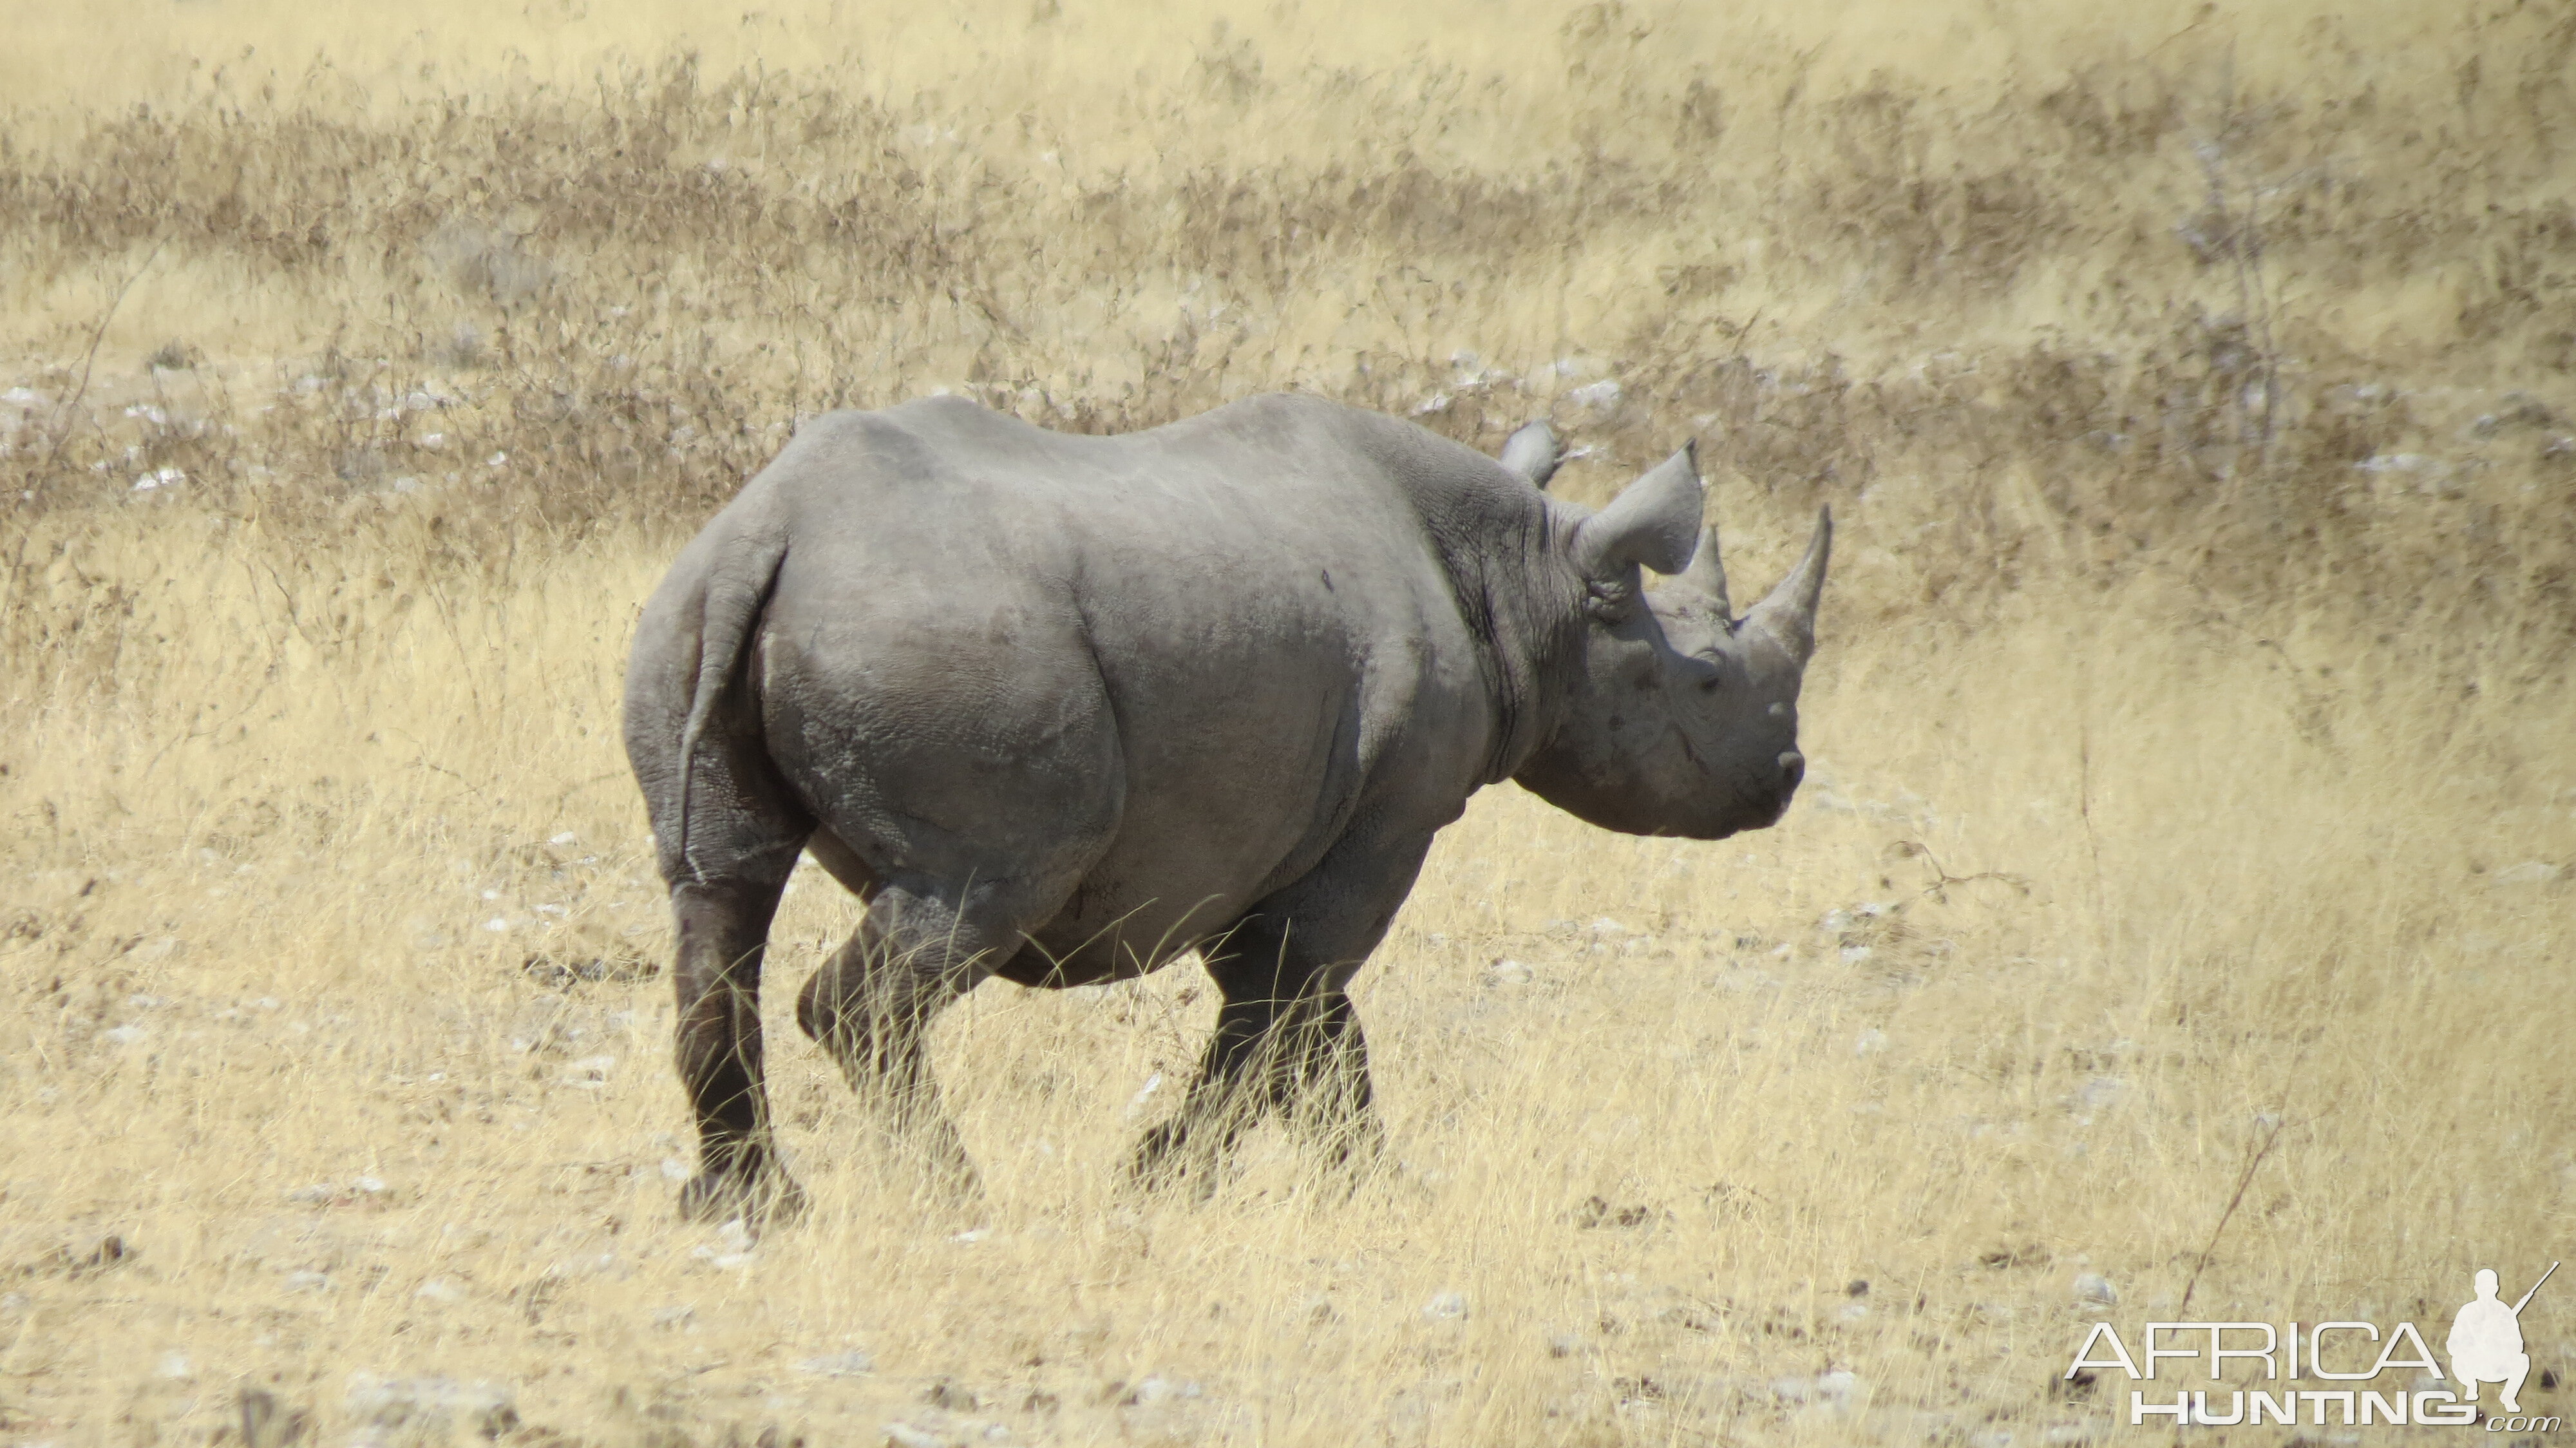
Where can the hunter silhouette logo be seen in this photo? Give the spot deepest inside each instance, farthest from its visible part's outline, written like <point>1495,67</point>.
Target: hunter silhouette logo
<point>2486,1341</point>
<point>2355,1365</point>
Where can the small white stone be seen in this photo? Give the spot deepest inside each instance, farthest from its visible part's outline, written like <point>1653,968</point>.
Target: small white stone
<point>2100,1092</point>
<point>439,1289</point>
<point>1870,1042</point>
<point>674,1169</point>
<point>428,1409</point>
<point>1446,1307</point>
<point>850,1364</point>
<point>174,1365</point>
<point>1156,1387</point>
<point>566,838</point>
<point>308,1281</point>
<point>124,1035</point>
<point>590,1073</point>
<point>1833,1390</point>
<point>1144,1094</point>
<point>2094,1287</point>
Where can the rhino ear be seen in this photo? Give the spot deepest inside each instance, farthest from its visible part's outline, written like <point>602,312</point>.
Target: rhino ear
<point>1653,522</point>
<point>1532,453</point>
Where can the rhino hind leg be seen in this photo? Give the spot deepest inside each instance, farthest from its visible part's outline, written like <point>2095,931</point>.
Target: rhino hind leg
<point>920,948</point>
<point>723,930</point>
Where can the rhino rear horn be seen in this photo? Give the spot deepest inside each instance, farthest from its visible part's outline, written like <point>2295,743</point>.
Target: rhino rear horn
<point>1707,573</point>
<point>1788,611</point>
<point>1531,452</point>
<point>1654,521</point>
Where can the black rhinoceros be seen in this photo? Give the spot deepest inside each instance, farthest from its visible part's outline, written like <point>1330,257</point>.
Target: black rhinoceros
<point>1063,708</point>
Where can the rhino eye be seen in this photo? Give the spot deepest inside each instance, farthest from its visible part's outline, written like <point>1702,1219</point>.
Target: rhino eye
<point>1713,683</point>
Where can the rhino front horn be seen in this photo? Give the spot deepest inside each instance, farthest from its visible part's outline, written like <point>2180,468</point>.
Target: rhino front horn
<point>1788,612</point>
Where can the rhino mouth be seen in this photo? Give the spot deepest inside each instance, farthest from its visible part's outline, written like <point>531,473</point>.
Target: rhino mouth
<point>1758,807</point>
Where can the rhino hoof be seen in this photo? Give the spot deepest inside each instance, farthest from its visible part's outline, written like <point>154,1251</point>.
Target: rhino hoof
<point>721,1196</point>
<point>1168,1161</point>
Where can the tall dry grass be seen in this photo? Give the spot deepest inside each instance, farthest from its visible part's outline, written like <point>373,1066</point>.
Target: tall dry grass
<point>2192,790</point>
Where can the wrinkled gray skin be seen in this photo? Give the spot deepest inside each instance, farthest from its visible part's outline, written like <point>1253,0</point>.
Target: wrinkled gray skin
<point>1063,708</point>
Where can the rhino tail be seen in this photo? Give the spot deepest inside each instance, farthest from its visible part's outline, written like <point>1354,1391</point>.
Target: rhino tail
<point>738,589</point>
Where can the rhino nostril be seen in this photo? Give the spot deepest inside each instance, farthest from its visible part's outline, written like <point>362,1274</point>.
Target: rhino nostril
<point>1793,767</point>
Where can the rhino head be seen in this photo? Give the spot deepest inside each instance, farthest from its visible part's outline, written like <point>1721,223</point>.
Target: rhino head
<point>1678,717</point>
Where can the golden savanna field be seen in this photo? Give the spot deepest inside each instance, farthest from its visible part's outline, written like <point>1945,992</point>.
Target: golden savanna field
<point>2175,925</point>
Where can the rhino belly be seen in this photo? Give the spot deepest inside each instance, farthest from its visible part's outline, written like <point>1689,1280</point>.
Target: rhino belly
<point>1185,863</point>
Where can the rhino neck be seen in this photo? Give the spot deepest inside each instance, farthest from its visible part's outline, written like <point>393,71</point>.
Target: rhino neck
<point>1568,758</point>
<point>1524,609</point>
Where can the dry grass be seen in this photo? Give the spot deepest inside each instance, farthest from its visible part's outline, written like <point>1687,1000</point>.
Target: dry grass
<point>2190,728</point>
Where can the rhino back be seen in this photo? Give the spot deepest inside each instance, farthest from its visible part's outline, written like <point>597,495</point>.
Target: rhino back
<point>1177,663</point>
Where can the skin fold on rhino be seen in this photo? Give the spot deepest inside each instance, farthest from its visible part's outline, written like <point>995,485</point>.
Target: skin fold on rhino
<point>1063,708</point>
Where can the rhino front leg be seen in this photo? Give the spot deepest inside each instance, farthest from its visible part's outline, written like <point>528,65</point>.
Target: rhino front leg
<point>1320,1082</point>
<point>724,930</point>
<point>1288,1039</point>
<point>1220,1104</point>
